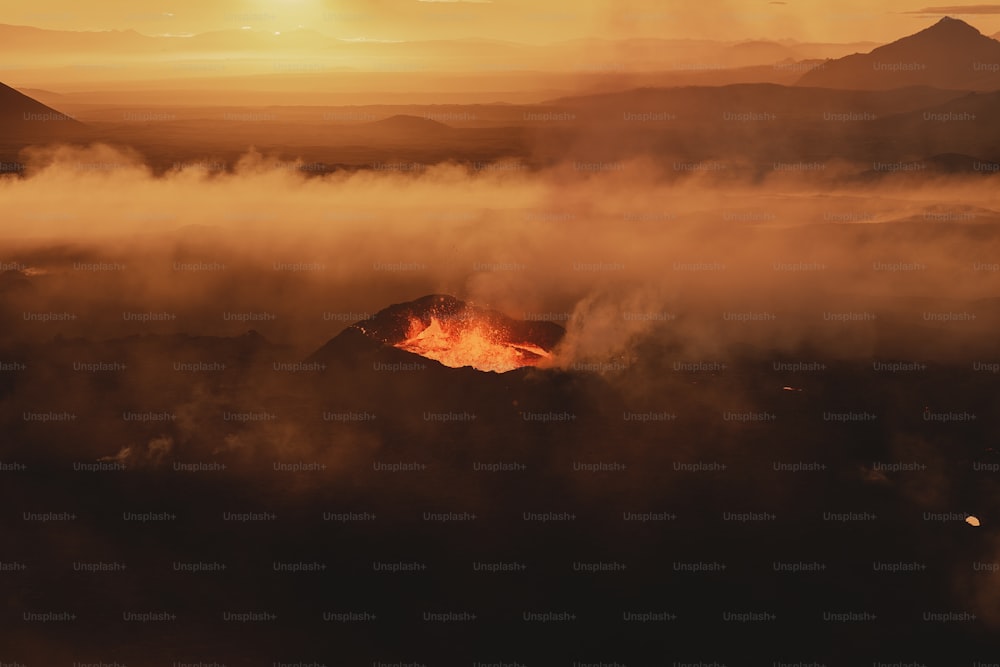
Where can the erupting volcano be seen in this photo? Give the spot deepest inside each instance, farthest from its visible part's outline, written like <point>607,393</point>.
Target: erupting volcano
<point>457,334</point>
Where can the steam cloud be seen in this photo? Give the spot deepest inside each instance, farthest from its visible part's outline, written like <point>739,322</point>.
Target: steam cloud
<point>625,252</point>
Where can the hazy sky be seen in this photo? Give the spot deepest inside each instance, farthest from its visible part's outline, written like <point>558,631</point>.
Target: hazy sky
<point>515,20</point>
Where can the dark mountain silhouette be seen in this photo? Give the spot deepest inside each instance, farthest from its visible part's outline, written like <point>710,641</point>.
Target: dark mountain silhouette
<point>24,118</point>
<point>796,123</point>
<point>949,54</point>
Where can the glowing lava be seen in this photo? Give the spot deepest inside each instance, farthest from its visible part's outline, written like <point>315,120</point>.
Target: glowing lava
<point>466,342</point>
<point>457,334</point>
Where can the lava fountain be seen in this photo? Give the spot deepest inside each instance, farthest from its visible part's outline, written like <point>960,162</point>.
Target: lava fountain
<point>457,334</point>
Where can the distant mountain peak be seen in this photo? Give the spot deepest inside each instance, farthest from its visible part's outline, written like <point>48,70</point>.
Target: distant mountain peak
<point>949,54</point>
<point>952,26</point>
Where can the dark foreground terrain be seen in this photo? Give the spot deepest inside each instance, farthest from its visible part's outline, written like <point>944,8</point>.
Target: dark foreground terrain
<point>366,505</point>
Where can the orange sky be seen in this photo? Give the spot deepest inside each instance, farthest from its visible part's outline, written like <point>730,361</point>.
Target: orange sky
<point>533,21</point>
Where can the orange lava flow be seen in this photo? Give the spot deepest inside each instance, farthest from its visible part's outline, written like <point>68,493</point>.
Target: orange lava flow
<point>468,343</point>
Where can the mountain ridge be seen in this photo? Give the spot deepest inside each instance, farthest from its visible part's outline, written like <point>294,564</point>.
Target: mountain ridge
<point>950,54</point>
<point>24,117</point>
